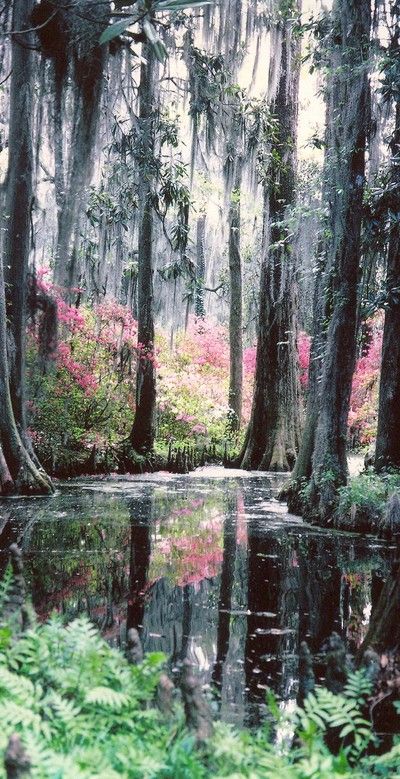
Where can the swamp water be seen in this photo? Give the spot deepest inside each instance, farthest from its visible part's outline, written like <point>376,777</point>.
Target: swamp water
<point>209,566</point>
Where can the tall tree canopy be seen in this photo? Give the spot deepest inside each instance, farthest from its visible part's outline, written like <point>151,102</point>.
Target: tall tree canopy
<point>213,174</point>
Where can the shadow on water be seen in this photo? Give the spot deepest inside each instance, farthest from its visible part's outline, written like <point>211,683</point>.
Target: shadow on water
<point>208,567</point>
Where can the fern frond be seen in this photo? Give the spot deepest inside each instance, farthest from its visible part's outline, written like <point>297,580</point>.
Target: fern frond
<point>83,635</point>
<point>13,715</point>
<point>30,655</point>
<point>5,587</point>
<point>105,696</point>
<point>323,710</point>
<point>358,686</point>
<point>64,711</point>
<point>18,688</point>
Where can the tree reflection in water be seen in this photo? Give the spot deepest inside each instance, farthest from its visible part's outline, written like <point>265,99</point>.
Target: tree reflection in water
<point>140,512</point>
<point>208,569</point>
<point>272,623</point>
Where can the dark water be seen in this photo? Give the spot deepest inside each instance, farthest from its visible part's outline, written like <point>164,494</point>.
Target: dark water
<point>209,566</point>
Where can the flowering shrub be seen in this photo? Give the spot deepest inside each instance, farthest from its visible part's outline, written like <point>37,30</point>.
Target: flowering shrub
<point>364,396</point>
<point>84,395</point>
<point>193,384</point>
<point>303,346</point>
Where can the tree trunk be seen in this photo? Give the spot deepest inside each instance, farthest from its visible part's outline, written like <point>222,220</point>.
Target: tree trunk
<point>200,267</point>
<point>272,437</point>
<point>230,30</point>
<point>18,471</point>
<point>303,467</point>
<point>86,68</point>
<point>18,468</point>
<point>18,208</point>
<point>143,430</point>
<point>235,305</point>
<point>388,435</point>
<point>384,628</point>
<point>351,102</point>
<point>321,304</point>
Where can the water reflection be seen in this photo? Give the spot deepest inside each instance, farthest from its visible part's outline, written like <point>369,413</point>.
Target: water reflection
<point>140,511</point>
<point>210,569</point>
<point>272,624</point>
<point>227,578</point>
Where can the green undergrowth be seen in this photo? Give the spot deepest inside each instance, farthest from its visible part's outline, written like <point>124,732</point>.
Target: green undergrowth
<point>83,712</point>
<point>363,500</point>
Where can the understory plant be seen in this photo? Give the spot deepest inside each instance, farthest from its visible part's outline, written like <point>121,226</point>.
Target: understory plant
<point>83,712</point>
<point>362,501</point>
<point>363,413</point>
<point>82,374</point>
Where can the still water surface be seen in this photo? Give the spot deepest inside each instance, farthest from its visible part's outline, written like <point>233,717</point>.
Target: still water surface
<point>209,566</point>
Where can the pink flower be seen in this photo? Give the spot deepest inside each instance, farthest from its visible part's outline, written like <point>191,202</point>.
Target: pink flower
<point>199,428</point>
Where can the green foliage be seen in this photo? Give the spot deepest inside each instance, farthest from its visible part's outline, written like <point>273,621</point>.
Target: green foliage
<point>325,711</point>
<point>207,77</point>
<point>78,706</point>
<point>358,686</point>
<point>362,501</point>
<point>118,28</point>
<point>5,585</point>
<point>83,712</point>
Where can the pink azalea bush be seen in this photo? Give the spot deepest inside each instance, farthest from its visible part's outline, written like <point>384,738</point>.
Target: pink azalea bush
<point>83,395</point>
<point>363,415</point>
<point>193,383</point>
<point>303,346</point>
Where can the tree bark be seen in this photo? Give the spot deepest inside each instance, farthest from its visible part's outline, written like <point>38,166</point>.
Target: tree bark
<point>273,434</point>
<point>351,22</point>
<point>231,27</point>
<point>321,302</point>
<point>19,470</point>
<point>143,430</point>
<point>388,435</point>
<point>80,58</point>
<point>235,305</point>
<point>18,208</point>
<point>302,470</point>
<point>200,266</point>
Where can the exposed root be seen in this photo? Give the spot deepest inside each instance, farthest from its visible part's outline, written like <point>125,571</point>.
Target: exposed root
<point>31,480</point>
<point>7,486</point>
<point>389,525</point>
<point>197,712</point>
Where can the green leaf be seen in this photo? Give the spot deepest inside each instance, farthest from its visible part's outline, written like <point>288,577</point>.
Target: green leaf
<point>180,5</point>
<point>160,51</point>
<point>105,696</point>
<point>5,637</point>
<point>346,730</point>
<point>150,31</point>
<point>153,38</point>
<point>115,29</point>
